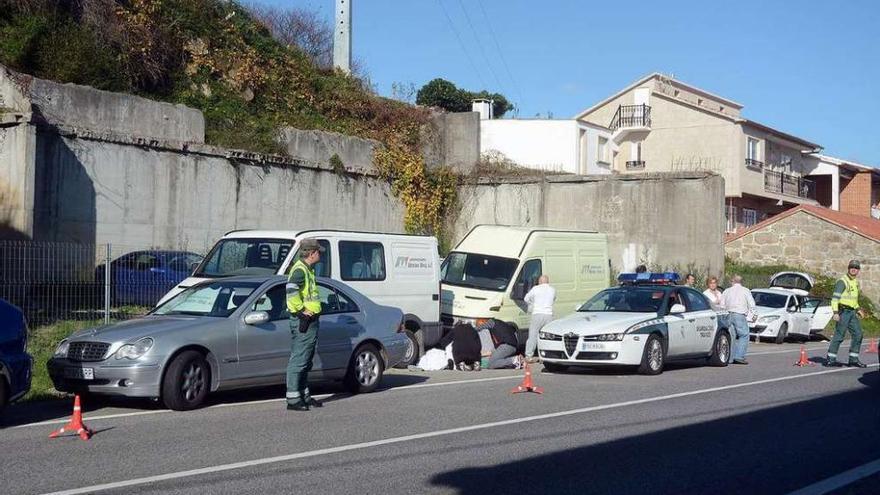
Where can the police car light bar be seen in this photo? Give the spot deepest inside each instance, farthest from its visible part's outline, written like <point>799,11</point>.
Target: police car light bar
<point>664,278</point>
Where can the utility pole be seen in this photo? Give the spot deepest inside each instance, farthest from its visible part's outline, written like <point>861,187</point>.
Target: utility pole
<point>342,36</point>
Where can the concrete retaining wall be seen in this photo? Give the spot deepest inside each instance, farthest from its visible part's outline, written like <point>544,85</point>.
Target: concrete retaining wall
<point>663,220</point>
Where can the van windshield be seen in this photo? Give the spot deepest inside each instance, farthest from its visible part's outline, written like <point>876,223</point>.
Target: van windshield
<point>257,256</point>
<point>478,271</point>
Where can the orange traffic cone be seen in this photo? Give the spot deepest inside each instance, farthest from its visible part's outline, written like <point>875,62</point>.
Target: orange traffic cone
<point>75,424</point>
<point>872,347</point>
<point>803,361</point>
<point>527,385</point>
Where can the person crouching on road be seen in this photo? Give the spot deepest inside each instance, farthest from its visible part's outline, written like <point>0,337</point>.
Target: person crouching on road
<point>541,298</point>
<point>304,307</point>
<point>739,302</point>
<point>466,347</point>
<point>845,304</point>
<point>505,342</point>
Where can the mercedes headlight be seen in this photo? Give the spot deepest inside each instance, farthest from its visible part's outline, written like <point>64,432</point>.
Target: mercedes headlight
<point>136,350</point>
<point>61,350</point>
<point>768,319</point>
<point>610,337</point>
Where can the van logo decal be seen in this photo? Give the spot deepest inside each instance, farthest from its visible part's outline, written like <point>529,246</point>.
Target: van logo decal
<point>591,270</point>
<point>408,262</point>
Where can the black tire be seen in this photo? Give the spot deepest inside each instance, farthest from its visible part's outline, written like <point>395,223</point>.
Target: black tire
<point>720,349</point>
<point>187,381</point>
<point>4,394</point>
<point>416,350</point>
<point>555,368</point>
<point>783,333</point>
<point>653,357</point>
<point>365,370</point>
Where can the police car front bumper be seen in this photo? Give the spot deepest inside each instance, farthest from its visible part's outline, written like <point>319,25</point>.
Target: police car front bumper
<point>581,352</point>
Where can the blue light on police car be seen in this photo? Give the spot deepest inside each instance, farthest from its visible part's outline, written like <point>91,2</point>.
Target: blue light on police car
<point>648,278</point>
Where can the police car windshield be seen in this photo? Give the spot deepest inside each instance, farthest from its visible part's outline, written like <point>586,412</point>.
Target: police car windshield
<point>478,271</point>
<point>627,300</point>
<point>257,256</point>
<point>769,300</point>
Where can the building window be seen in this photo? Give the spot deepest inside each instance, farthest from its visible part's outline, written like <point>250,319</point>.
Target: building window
<point>730,216</point>
<point>752,154</point>
<point>602,150</point>
<point>785,161</point>
<point>750,217</point>
<point>361,261</point>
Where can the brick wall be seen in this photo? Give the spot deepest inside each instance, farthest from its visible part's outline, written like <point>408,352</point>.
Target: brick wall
<point>802,240</point>
<point>855,195</point>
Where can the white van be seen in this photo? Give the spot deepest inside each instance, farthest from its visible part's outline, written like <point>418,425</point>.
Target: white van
<point>490,271</point>
<point>398,270</point>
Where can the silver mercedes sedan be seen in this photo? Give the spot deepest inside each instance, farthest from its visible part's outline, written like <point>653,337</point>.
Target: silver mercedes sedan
<point>227,334</point>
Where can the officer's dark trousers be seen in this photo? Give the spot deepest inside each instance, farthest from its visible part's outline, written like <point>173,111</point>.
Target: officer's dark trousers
<point>849,321</point>
<point>302,351</point>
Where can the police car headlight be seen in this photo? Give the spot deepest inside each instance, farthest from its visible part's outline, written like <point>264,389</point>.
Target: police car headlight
<point>136,350</point>
<point>61,350</point>
<point>549,336</point>
<point>610,337</point>
<point>768,319</point>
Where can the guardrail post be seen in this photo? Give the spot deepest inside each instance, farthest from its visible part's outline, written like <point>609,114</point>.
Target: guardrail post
<point>107,286</point>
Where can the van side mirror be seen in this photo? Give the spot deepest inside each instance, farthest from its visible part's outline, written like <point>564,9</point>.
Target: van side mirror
<point>256,318</point>
<point>676,309</point>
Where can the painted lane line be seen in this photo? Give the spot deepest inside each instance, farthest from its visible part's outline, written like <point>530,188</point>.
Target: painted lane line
<point>263,401</point>
<point>421,436</point>
<point>840,480</point>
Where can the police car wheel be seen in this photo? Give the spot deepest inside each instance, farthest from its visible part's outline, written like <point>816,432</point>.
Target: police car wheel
<point>720,350</point>
<point>783,333</point>
<point>365,370</point>
<point>653,357</point>
<point>412,352</point>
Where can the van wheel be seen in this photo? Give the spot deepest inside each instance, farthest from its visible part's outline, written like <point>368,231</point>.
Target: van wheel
<point>413,352</point>
<point>364,371</point>
<point>187,381</point>
<point>653,357</point>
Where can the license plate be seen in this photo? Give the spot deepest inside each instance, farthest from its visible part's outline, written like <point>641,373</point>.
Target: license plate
<point>592,345</point>
<point>79,373</point>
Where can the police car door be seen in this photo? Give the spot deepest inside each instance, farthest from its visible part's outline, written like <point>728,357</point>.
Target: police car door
<point>704,319</point>
<point>680,326</point>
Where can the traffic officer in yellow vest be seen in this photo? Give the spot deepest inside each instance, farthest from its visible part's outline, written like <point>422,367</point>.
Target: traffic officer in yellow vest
<point>845,304</point>
<point>304,307</point>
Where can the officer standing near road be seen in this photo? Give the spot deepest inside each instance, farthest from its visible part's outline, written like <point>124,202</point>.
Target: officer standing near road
<point>845,304</point>
<point>304,307</point>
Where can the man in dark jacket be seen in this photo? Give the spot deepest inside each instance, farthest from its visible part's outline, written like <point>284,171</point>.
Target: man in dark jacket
<point>505,342</point>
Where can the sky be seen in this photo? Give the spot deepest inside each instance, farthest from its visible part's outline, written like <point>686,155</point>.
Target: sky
<point>808,68</point>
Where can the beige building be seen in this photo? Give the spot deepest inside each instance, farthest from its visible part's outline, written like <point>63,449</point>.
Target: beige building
<point>660,124</point>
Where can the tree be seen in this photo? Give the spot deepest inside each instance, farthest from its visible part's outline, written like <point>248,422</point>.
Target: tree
<point>446,95</point>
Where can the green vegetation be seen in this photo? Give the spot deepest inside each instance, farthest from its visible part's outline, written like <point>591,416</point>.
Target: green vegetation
<point>213,55</point>
<point>42,342</point>
<point>446,95</point>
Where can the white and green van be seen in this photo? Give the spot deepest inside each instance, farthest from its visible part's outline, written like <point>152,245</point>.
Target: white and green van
<point>489,272</point>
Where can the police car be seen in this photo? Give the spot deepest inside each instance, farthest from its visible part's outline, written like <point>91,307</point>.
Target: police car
<point>645,322</point>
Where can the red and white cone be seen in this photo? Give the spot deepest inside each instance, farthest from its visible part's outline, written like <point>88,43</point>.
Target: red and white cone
<point>803,361</point>
<point>75,425</point>
<point>527,385</point>
<point>872,347</point>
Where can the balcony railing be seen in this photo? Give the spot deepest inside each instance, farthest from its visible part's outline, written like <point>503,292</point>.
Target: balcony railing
<point>754,164</point>
<point>635,165</point>
<point>790,185</point>
<point>631,116</point>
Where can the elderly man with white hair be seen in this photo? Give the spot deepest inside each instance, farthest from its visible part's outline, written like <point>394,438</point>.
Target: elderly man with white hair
<point>541,298</point>
<point>739,303</point>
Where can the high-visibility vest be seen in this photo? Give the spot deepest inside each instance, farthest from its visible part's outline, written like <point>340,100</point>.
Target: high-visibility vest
<point>306,296</point>
<point>850,295</point>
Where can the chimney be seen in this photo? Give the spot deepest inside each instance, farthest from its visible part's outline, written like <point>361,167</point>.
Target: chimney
<point>484,107</point>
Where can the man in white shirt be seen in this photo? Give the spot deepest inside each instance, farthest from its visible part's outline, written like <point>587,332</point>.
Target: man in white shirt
<point>739,303</point>
<point>540,298</point>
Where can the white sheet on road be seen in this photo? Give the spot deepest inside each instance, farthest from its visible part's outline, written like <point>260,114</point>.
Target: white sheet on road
<point>433,360</point>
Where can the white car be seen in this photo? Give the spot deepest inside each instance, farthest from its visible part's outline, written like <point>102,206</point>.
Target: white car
<point>641,325</point>
<point>787,309</point>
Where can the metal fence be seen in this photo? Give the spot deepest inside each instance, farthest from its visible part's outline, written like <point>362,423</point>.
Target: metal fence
<point>54,281</point>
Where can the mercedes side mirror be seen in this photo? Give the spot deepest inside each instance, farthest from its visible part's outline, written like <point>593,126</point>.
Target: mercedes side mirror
<point>676,309</point>
<point>256,318</point>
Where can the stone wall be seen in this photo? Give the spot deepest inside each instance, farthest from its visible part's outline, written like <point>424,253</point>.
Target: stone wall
<point>454,141</point>
<point>672,220</point>
<point>803,240</point>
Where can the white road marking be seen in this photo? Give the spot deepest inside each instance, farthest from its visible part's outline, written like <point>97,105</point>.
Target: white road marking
<point>840,480</point>
<point>432,434</point>
<point>263,401</point>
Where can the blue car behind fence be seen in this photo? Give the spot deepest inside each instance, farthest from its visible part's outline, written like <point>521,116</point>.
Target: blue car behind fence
<point>15,362</point>
<point>141,278</point>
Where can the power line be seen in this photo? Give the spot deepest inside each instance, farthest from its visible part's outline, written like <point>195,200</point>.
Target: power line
<point>480,46</point>
<point>460,42</point>
<point>500,52</point>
